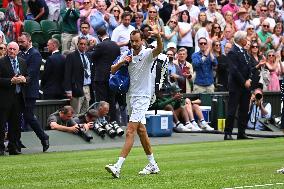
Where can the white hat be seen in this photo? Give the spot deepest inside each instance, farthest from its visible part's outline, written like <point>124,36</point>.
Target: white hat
<point>171,45</point>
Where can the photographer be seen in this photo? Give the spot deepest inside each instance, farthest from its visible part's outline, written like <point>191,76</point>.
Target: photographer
<point>87,119</point>
<point>258,109</point>
<point>62,120</point>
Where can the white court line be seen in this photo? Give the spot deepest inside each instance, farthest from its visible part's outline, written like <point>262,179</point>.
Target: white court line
<point>255,186</point>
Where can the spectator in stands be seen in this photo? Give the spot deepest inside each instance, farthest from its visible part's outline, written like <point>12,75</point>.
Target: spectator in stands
<point>116,11</point>
<point>185,33</point>
<point>103,56</point>
<point>202,17</point>
<point>77,77</point>
<point>2,37</point>
<point>147,37</point>
<point>154,21</point>
<point>11,94</point>
<point>102,18</point>
<point>69,29</point>
<point>243,19</point>
<point>62,120</point>
<point>38,10</point>
<point>216,33</point>
<point>202,32</point>
<point>86,13</point>
<point>272,10</point>
<point>14,18</point>
<point>222,71</point>
<point>133,7</point>
<point>145,4</point>
<point>215,16</point>
<point>84,32</point>
<point>54,9</point>
<point>172,68</point>
<point>227,37</point>
<point>121,34</point>
<point>189,6</point>
<point>263,16</point>
<point>171,32</point>
<point>232,7</point>
<point>53,74</point>
<point>184,72</point>
<point>203,63</point>
<point>138,20</point>
<point>277,38</point>
<point>273,64</point>
<point>247,4</point>
<point>33,60</point>
<point>3,50</point>
<point>202,5</point>
<point>230,21</point>
<point>258,109</point>
<point>250,32</point>
<point>167,9</point>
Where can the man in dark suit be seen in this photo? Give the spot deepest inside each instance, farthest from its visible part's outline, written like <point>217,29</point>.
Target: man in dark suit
<point>32,58</point>
<point>239,86</point>
<point>103,56</point>
<point>53,75</point>
<point>13,75</point>
<point>77,77</point>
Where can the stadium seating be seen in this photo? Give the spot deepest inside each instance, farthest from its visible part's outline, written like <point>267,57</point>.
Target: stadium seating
<point>49,28</point>
<point>2,10</point>
<point>34,29</point>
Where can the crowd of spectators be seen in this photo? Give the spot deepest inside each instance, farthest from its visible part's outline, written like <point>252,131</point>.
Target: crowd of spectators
<point>197,36</point>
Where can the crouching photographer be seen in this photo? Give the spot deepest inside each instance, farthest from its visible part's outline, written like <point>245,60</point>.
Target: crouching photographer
<point>63,120</point>
<point>258,109</point>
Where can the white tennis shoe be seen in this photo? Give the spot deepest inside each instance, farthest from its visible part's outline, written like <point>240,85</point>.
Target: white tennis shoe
<point>113,170</point>
<point>150,169</point>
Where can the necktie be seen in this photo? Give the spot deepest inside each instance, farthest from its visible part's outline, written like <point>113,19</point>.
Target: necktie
<point>16,71</point>
<point>85,66</point>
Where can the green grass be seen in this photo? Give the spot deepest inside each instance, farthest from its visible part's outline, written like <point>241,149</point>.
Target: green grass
<point>199,165</point>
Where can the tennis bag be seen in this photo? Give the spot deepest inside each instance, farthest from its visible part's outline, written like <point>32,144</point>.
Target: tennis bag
<point>119,81</point>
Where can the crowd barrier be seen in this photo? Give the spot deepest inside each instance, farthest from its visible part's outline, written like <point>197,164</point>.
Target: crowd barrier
<point>218,102</point>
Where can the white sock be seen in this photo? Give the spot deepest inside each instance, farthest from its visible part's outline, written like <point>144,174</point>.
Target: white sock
<point>203,121</point>
<point>119,162</point>
<point>193,121</point>
<point>151,159</point>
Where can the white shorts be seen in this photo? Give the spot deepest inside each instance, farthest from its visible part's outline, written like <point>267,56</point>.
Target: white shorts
<point>137,107</point>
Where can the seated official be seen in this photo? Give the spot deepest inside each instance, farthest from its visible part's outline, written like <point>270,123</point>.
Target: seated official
<point>258,109</point>
<point>170,99</point>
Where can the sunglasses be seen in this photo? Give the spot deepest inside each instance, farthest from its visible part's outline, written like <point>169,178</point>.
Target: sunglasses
<point>246,3</point>
<point>217,45</point>
<point>115,10</point>
<point>202,43</point>
<point>85,3</point>
<point>170,55</point>
<point>250,28</point>
<point>262,10</point>
<point>254,47</point>
<point>173,22</point>
<point>2,48</point>
<point>215,27</point>
<point>266,26</point>
<point>271,55</point>
<point>152,12</point>
<point>69,0</point>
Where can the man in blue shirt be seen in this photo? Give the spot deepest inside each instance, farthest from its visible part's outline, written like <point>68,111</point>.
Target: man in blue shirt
<point>203,63</point>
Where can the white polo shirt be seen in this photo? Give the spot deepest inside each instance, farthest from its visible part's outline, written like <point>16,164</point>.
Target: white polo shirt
<point>140,73</point>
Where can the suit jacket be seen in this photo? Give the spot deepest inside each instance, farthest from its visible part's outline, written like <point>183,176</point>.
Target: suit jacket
<point>53,75</point>
<point>7,91</point>
<point>74,74</point>
<point>240,69</point>
<point>103,56</point>
<point>33,60</point>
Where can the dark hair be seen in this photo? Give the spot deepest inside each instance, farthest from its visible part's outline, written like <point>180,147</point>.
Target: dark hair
<point>27,35</point>
<point>202,38</point>
<point>101,31</point>
<point>180,16</point>
<point>92,113</point>
<point>66,109</point>
<point>213,32</point>
<point>125,14</point>
<point>134,32</point>
<point>84,22</point>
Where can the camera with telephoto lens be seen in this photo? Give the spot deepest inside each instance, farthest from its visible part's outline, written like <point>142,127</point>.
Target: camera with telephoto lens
<point>109,130</point>
<point>258,96</point>
<point>98,128</point>
<point>82,132</point>
<point>117,128</point>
